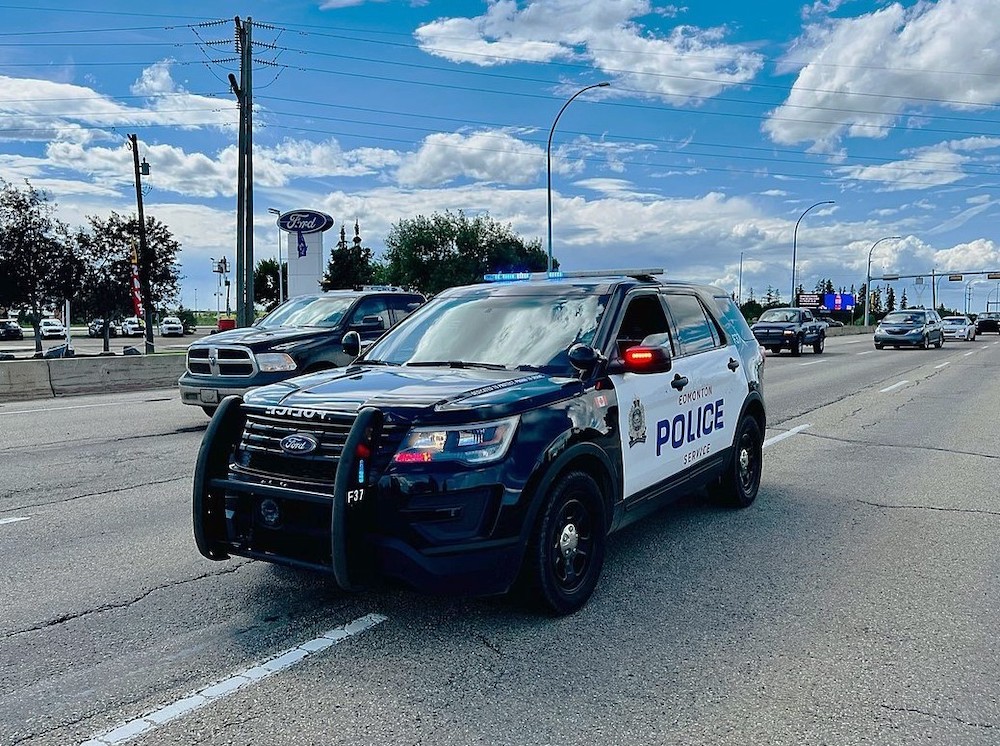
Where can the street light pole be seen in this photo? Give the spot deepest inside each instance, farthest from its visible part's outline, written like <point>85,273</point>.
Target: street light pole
<point>795,235</point>
<point>739,292</point>
<point>548,159</point>
<point>868,275</point>
<point>145,263</point>
<point>281,288</point>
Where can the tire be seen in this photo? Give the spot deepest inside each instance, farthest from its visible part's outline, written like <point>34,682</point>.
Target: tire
<point>879,346</point>
<point>566,550</point>
<point>940,343</point>
<point>797,347</point>
<point>819,344</point>
<point>776,350</point>
<point>210,411</point>
<point>924,343</point>
<point>740,482</point>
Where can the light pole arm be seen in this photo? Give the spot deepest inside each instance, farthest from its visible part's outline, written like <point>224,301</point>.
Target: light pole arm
<point>795,236</point>
<point>548,161</point>
<point>868,275</point>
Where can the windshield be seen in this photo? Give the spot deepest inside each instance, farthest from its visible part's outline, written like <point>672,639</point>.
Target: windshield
<point>902,317</point>
<point>951,320</point>
<point>777,314</point>
<point>494,329</point>
<point>308,310</point>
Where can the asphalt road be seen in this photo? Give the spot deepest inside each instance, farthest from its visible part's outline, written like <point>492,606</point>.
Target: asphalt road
<point>855,603</point>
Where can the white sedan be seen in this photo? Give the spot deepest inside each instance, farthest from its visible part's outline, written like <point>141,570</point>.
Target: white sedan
<point>959,327</point>
<point>171,326</point>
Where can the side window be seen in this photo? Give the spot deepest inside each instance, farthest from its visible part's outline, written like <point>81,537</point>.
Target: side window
<point>694,329</point>
<point>371,307</point>
<point>807,316</point>
<point>402,306</point>
<point>644,321</point>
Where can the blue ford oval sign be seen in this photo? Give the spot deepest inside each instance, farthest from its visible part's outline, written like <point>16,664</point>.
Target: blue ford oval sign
<point>304,221</point>
<point>298,444</point>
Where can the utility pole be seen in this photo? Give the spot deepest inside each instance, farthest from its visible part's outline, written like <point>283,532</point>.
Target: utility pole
<point>145,263</point>
<point>244,192</point>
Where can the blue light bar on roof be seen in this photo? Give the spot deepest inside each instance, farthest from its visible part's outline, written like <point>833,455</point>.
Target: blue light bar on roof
<point>515,276</point>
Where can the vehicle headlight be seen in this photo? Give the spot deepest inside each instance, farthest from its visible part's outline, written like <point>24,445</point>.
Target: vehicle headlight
<point>789,333</point>
<point>481,443</point>
<point>274,362</point>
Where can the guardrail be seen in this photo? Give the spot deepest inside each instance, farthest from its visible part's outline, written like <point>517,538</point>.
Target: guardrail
<point>36,379</point>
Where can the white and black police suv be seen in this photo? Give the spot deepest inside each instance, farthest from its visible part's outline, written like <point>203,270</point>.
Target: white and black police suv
<point>493,439</point>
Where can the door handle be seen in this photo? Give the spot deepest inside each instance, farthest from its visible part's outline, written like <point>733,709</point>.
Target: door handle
<point>733,365</point>
<point>679,381</point>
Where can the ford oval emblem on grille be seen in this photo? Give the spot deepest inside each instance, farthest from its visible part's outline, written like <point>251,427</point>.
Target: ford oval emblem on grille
<point>298,444</point>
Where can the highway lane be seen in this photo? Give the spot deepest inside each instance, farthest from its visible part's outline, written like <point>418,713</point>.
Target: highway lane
<point>854,603</point>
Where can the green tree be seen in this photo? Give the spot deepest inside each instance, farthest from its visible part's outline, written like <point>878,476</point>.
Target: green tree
<point>442,251</point>
<point>106,246</point>
<point>890,299</point>
<point>39,266</point>
<point>902,301</point>
<point>265,282</point>
<point>351,266</point>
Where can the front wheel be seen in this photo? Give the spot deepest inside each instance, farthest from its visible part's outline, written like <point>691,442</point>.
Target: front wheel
<point>878,346</point>
<point>819,344</point>
<point>739,483</point>
<point>566,553</point>
<point>924,343</point>
<point>796,346</point>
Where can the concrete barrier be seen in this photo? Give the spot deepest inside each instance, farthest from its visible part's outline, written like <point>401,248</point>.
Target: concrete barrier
<point>24,379</point>
<point>34,379</point>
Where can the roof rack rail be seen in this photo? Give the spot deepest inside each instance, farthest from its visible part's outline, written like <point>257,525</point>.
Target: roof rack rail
<point>639,274</point>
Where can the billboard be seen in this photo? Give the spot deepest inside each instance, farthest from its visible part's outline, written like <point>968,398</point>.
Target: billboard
<point>838,301</point>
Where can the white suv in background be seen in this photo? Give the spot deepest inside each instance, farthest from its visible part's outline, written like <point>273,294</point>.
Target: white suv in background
<point>52,329</point>
<point>133,326</point>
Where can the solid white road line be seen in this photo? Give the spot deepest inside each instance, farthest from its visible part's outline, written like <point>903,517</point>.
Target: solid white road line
<point>942,365</point>
<point>894,386</point>
<point>869,352</point>
<point>5,521</point>
<point>209,694</point>
<point>813,362</point>
<point>855,341</point>
<point>969,353</point>
<point>58,409</point>
<point>782,436</point>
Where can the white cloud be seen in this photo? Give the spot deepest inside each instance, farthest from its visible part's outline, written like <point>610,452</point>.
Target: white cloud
<point>685,64</point>
<point>484,157</point>
<point>859,75</point>
<point>979,255</point>
<point>933,166</point>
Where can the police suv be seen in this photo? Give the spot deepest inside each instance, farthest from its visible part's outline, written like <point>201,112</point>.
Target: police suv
<point>492,439</point>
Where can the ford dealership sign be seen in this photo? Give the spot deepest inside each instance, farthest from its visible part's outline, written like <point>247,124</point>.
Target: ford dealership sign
<point>304,221</point>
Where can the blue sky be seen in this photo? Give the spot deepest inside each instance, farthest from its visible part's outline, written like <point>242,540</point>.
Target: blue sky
<point>724,122</point>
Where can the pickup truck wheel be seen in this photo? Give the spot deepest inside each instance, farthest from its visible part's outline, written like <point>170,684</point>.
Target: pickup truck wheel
<point>566,552</point>
<point>739,483</point>
<point>819,344</point>
<point>796,346</point>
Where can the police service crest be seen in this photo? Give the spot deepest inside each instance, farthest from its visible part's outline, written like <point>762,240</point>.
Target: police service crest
<point>636,424</point>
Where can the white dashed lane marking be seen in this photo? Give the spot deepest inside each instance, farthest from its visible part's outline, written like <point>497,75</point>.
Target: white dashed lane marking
<point>209,694</point>
<point>894,386</point>
<point>5,521</point>
<point>869,352</point>
<point>812,362</point>
<point>782,436</point>
<point>969,353</point>
<point>942,365</point>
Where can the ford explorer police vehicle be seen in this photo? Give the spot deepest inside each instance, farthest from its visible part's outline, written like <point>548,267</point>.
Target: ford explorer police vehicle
<point>492,439</point>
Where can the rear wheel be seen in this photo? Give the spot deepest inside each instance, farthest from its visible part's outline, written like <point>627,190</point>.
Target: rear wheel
<point>879,345</point>
<point>566,552</point>
<point>738,485</point>
<point>940,342</point>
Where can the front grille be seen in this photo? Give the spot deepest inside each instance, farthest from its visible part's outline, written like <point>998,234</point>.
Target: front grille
<point>260,453</point>
<point>237,362</point>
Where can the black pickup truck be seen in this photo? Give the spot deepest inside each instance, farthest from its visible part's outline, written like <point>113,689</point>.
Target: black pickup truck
<point>791,328</point>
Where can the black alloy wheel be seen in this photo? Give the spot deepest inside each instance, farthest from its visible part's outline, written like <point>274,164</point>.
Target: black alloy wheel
<point>796,346</point>
<point>740,482</point>
<point>566,552</point>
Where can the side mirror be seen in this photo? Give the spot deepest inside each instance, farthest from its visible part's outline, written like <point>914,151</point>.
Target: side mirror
<point>583,357</point>
<point>351,344</point>
<point>369,322</point>
<point>647,359</point>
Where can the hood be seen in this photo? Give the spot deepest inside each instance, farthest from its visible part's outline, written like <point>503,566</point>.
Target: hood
<point>253,336</point>
<point>415,393</point>
<point>763,325</point>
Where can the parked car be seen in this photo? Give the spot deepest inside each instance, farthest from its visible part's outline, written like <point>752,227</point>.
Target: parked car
<point>791,328</point>
<point>133,326</point>
<point>914,327</point>
<point>499,434</point>
<point>171,326</point>
<point>988,322</point>
<point>10,329</point>
<point>303,335</point>
<point>959,327</point>
<point>52,329</point>
<point>831,322</point>
<point>190,327</point>
<point>96,328</point>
